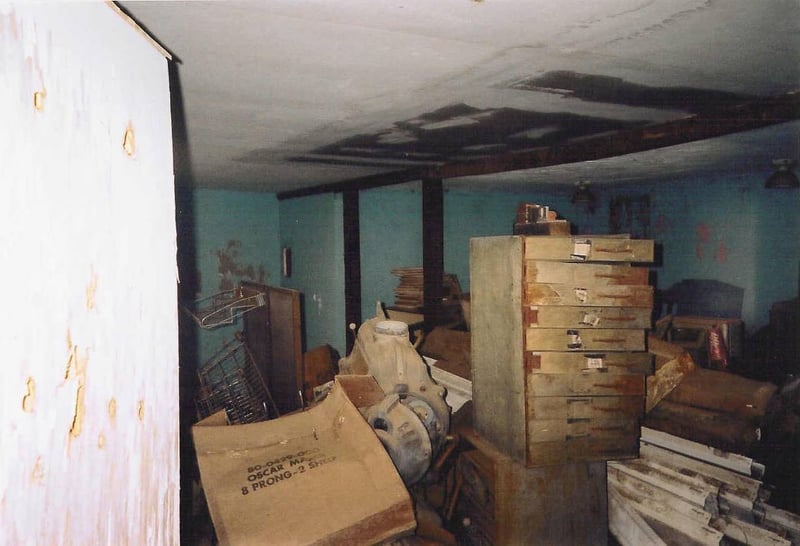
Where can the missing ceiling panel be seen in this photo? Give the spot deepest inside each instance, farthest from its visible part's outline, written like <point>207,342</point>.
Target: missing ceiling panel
<point>607,89</point>
<point>461,131</point>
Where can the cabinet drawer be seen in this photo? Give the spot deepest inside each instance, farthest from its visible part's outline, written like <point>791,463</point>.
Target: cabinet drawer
<point>572,316</point>
<point>588,249</point>
<point>578,407</point>
<point>584,448</point>
<point>564,430</point>
<point>611,362</point>
<point>595,383</point>
<point>586,339</point>
<point>570,294</point>
<point>584,274</point>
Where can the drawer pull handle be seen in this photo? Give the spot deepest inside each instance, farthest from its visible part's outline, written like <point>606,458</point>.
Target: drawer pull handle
<point>579,400</point>
<point>620,319</point>
<point>605,385</point>
<point>577,436</point>
<point>612,250</point>
<point>616,296</point>
<point>610,276</point>
<point>572,420</point>
<point>611,340</point>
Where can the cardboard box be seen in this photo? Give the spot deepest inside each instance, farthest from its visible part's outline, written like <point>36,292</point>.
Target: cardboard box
<point>315,477</point>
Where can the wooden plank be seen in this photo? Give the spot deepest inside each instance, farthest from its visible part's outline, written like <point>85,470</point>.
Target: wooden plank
<point>747,533</point>
<point>688,489</point>
<point>582,407</point>
<point>585,274</point>
<point>724,392</point>
<point>586,339</point>
<point>588,249</point>
<point>667,377</point>
<point>627,526</point>
<point>732,461</point>
<point>728,481</point>
<point>569,316</point>
<point>585,383</point>
<point>497,335</point>
<point>632,487</point>
<point>575,362</point>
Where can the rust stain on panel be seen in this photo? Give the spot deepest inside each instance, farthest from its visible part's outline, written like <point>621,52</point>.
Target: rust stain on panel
<point>37,473</point>
<point>30,398</point>
<point>101,441</point>
<point>38,100</point>
<point>112,409</point>
<point>140,410</point>
<point>91,291</point>
<point>129,141</point>
<point>80,410</point>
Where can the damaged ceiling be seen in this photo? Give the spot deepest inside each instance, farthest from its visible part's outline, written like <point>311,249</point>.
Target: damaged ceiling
<point>295,96</point>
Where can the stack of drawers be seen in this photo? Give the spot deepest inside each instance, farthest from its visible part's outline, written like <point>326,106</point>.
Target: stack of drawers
<point>559,356</point>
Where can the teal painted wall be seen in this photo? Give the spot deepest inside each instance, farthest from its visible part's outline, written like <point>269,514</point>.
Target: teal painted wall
<point>391,231</point>
<point>235,239</point>
<point>312,228</point>
<point>732,230</point>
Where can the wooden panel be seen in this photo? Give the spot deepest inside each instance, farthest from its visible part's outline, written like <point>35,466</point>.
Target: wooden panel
<point>588,249</point>
<point>587,339</point>
<point>583,448</point>
<point>594,382</point>
<point>568,294</point>
<point>571,316</point>
<point>564,430</point>
<point>611,362</point>
<point>584,274</point>
<point>580,407</point>
<point>273,334</point>
<point>497,342</point>
<point>507,503</point>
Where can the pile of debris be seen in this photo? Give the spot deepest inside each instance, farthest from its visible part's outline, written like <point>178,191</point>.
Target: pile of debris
<point>683,492</point>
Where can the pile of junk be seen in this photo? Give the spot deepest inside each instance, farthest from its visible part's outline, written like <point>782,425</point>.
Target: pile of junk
<point>384,453</point>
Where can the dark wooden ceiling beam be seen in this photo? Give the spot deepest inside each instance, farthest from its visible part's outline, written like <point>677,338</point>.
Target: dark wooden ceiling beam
<point>746,116</point>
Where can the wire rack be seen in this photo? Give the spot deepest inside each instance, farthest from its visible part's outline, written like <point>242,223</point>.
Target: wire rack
<point>231,381</point>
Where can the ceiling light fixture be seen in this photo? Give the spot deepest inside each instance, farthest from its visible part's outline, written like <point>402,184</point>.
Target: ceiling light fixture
<point>584,196</point>
<point>783,177</point>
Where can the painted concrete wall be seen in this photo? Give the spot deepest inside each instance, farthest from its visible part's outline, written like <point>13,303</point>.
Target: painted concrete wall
<point>235,239</point>
<point>732,230</point>
<point>89,395</point>
<point>312,228</point>
<point>391,231</point>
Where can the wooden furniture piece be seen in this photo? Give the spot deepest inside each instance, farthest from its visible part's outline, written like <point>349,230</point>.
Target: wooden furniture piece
<point>500,501</point>
<point>558,345</point>
<point>273,333</point>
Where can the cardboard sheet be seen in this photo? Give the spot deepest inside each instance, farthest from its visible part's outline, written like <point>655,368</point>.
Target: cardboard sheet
<point>316,477</point>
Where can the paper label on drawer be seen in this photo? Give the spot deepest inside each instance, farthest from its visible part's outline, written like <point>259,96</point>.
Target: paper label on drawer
<point>590,319</point>
<point>574,342</point>
<point>594,362</point>
<point>581,294</point>
<point>581,249</point>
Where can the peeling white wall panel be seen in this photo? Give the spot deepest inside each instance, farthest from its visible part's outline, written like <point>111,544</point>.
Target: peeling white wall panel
<point>89,391</point>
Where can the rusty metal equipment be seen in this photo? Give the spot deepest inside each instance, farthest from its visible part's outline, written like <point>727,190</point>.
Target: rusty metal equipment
<point>413,419</point>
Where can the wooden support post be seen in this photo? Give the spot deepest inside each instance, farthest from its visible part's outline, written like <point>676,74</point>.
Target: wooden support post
<point>432,250</point>
<point>352,263</point>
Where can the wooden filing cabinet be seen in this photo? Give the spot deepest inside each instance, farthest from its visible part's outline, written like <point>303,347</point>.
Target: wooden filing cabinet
<point>559,354</point>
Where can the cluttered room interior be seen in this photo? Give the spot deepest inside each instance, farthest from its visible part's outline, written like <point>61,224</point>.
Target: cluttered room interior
<point>461,273</point>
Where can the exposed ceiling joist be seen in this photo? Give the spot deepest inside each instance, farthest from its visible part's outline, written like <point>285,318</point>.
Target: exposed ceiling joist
<point>746,116</point>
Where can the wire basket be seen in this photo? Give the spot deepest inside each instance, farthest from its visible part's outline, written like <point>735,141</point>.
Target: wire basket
<point>231,381</point>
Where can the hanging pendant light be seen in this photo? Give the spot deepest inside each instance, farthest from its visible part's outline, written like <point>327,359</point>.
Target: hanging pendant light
<point>584,196</point>
<point>783,177</point>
